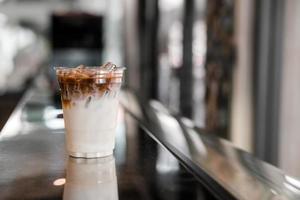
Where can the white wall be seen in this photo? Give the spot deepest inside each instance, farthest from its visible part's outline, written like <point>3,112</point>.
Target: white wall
<point>289,132</point>
<point>241,130</point>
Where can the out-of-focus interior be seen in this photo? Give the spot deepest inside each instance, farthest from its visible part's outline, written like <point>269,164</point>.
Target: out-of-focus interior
<point>229,66</point>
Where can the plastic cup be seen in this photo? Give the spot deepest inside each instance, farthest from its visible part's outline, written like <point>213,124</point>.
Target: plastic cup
<point>90,104</point>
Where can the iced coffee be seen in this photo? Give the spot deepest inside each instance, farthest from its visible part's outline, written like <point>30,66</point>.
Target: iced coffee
<point>89,98</point>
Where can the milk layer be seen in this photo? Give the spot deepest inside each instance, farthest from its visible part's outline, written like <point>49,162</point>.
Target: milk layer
<point>90,125</point>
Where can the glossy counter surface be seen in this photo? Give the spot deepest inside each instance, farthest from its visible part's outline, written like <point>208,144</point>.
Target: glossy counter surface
<point>157,156</point>
<point>214,162</point>
<point>34,165</point>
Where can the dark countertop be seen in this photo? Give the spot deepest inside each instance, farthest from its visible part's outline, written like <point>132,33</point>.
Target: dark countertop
<point>157,156</point>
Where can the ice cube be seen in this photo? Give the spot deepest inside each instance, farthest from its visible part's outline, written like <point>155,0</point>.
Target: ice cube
<point>109,66</point>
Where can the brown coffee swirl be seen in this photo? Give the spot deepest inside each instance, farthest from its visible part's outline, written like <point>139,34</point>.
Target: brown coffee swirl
<point>82,82</point>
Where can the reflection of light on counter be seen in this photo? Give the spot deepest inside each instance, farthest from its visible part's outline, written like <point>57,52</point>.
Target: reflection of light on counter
<point>187,122</point>
<point>172,131</point>
<point>120,152</point>
<point>91,179</point>
<point>165,162</point>
<point>55,124</point>
<point>274,191</point>
<point>50,112</point>
<point>292,188</point>
<point>195,142</point>
<point>59,182</point>
<point>51,120</point>
<point>294,182</point>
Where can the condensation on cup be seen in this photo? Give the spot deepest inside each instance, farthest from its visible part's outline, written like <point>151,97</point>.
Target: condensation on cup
<point>90,107</point>
<point>91,179</point>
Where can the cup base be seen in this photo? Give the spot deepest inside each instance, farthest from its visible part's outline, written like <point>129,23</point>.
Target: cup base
<point>90,155</point>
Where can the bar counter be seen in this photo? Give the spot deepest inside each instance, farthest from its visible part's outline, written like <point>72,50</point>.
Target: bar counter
<point>157,156</point>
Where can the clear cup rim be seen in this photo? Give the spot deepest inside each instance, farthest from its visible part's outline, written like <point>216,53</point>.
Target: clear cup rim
<point>96,68</point>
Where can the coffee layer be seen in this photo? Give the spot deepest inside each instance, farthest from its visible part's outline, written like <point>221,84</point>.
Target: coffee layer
<point>83,82</point>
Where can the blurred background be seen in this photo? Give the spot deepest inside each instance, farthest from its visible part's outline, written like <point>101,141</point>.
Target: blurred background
<point>231,66</point>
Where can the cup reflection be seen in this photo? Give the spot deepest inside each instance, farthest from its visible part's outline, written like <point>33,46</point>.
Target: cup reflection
<point>91,179</point>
